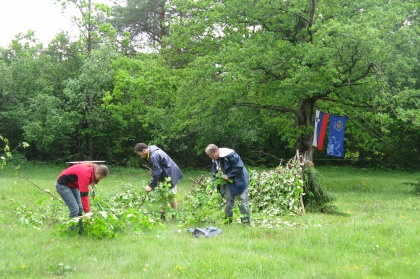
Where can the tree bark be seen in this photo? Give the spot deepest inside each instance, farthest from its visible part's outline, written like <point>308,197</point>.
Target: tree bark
<point>304,120</point>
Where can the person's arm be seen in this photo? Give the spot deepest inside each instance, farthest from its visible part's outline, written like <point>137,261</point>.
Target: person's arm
<point>156,172</point>
<point>84,180</point>
<point>213,174</point>
<point>236,165</point>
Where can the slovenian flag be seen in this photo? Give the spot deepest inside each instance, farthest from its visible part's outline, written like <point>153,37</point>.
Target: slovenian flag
<point>321,121</point>
<point>336,136</point>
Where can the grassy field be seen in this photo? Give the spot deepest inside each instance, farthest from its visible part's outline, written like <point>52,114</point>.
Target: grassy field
<point>375,235</point>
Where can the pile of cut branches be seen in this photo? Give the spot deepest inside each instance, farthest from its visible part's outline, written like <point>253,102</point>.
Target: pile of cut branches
<point>277,192</point>
<point>289,189</point>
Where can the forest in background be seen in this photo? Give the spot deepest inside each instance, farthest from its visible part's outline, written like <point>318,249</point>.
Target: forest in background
<point>245,74</point>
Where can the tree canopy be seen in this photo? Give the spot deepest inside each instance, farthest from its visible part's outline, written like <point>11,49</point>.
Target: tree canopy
<point>245,74</point>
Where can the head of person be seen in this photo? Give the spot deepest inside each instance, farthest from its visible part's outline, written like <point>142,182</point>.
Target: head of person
<point>212,151</point>
<point>101,171</point>
<point>141,149</point>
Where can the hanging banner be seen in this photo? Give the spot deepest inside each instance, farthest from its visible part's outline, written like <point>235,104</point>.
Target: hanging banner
<point>336,136</point>
<point>321,121</point>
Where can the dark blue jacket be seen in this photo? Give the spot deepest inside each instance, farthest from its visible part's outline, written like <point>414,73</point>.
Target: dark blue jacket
<point>232,166</point>
<point>162,166</point>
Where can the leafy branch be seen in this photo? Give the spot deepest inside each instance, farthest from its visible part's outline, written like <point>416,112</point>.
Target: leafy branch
<point>7,155</point>
<point>221,179</point>
<point>43,190</point>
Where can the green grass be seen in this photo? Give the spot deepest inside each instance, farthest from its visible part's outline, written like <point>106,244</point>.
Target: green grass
<point>374,235</point>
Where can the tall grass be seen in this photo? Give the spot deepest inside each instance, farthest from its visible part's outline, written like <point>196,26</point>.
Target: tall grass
<point>374,235</point>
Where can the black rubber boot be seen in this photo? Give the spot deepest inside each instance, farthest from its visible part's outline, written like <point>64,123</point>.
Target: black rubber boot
<point>228,220</point>
<point>245,221</point>
<point>162,216</point>
<point>80,226</point>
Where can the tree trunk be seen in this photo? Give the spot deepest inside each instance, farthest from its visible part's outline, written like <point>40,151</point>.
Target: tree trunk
<point>304,120</point>
<point>304,115</point>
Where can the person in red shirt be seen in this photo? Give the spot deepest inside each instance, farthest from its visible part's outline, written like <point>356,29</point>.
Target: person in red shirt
<point>73,185</point>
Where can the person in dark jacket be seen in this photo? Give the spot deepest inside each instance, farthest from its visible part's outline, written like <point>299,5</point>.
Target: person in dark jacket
<point>227,165</point>
<point>73,186</point>
<point>162,166</point>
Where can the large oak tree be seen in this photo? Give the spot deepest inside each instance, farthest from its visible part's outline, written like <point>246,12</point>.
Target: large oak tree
<point>281,60</point>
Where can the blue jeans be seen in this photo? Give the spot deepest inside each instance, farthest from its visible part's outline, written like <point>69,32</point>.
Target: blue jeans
<point>71,197</point>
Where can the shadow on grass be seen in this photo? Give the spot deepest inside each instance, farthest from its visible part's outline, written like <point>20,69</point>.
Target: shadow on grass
<point>329,210</point>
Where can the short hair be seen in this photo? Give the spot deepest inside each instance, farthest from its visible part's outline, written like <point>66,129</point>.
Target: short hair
<point>211,148</point>
<point>140,147</point>
<point>102,170</point>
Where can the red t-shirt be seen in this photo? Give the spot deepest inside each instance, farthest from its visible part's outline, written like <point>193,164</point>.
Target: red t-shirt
<point>79,176</point>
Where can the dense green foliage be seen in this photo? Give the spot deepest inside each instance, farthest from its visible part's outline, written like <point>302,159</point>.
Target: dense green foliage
<point>243,74</point>
<point>4,156</point>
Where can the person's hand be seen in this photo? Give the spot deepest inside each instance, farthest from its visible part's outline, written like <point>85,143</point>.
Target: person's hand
<point>224,177</point>
<point>149,189</point>
<point>89,214</point>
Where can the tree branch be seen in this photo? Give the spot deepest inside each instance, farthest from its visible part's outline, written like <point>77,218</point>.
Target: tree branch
<point>269,107</point>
